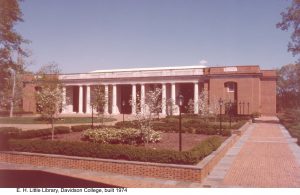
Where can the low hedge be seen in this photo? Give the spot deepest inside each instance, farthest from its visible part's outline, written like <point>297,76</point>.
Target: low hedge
<point>62,129</point>
<point>79,128</point>
<point>123,152</point>
<point>195,126</point>
<point>41,132</point>
<point>5,134</point>
<point>10,130</point>
<point>4,137</point>
<point>127,124</point>
<point>190,124</point>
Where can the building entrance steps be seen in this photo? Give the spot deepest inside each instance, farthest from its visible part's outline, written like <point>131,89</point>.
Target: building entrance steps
<point>265,156</point>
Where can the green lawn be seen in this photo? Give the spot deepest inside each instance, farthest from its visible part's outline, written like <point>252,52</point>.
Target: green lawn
<point>291,120</point>
<point>62,120</point>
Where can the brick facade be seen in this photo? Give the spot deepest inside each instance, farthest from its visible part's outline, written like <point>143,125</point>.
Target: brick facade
<point>254,89</point>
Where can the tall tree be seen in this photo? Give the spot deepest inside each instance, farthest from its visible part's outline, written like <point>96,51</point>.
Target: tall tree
<point>10,50</point>
<point>291,19</point>
<point>288,87</point>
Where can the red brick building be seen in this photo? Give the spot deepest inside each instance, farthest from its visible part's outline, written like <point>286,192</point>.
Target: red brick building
<point>248,87</point>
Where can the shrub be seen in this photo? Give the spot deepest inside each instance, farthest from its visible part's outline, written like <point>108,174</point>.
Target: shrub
<point>10,130</point>
<point>195,125</point>
<point>124,152</point>
<point>165,127</point>
<point>41,132</point>
<point>127,124</point>
<point>207,131</point>
<point>169,120</point>
<point>225,132</point>
<point>62,129</point>
<point>119,136</point>
<point>4,137</point>
<point>78,128</point>
<point>238,124</point>
<point>256,114</point>
<point>33,133</point>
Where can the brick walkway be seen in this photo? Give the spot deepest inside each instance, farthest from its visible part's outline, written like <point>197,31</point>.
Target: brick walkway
<point>265,156</point>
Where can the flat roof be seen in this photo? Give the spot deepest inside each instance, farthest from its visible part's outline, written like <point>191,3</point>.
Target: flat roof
<point>150,69</point>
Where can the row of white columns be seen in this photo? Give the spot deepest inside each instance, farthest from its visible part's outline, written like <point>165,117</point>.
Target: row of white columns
<point>114,98</point>
<point>80,99</point>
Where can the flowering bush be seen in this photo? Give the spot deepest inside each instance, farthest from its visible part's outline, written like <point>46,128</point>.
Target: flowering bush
<point>120,136</point>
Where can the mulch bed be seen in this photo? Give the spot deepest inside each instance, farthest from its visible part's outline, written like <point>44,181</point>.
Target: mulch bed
<point>169,141</point>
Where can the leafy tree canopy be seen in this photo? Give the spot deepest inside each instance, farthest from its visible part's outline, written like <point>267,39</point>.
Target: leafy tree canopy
<point>288,86</point>
<point>291,19</point>
<point>10,51</point>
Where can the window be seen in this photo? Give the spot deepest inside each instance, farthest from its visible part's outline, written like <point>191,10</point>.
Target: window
<point>230,87</point>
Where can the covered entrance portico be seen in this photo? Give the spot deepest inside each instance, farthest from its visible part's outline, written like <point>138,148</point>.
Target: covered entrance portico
<point>132,85</point>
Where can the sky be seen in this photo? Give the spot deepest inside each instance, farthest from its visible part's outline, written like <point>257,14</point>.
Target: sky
<point>86,35</point>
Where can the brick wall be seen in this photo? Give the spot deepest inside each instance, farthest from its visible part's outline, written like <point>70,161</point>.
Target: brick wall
<point>247,91</point>
<point>254,86</point>
<point>268,96</point>
<point>156,170</point>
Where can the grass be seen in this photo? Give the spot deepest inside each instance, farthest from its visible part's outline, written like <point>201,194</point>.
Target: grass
<point>291,120</point>
<point>62,120</point>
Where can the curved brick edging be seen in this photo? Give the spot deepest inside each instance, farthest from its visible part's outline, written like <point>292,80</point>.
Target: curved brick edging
<point>190,173</point>
<point>156,170</point>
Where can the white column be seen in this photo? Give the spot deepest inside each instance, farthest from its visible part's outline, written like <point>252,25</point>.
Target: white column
<point>80,100</point>
<point>196,92</point>
<point>173,97</point>
<point>106,99</point>
<point>142,98</point>
<point>133,94</point>
<point>164,99</point>
<point>64,103</point>
<point>114,102</point>
<point>88,99</point>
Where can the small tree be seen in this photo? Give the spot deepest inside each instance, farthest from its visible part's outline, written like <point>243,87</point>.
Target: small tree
<point>203,103</point>
<point>171,106</point>
<point>153,101</point>
<point>98,101</point>
<point>49,95</point>
<point>190,106</point>
<point>214,107</point>
<point>144,117</point>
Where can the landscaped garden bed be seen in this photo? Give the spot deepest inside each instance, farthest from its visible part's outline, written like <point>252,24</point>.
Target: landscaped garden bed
<point>168,140</point>
<point>117,151</point>
<point>127,142</point>
<point>158,159</point>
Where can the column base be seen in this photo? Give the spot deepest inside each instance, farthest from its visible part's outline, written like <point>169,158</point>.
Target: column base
<point>115,110</point>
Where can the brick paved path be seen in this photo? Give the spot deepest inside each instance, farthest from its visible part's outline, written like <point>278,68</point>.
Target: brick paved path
<point>266,156</point>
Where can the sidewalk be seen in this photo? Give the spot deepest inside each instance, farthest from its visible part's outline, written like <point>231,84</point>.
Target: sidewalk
<point>265,156</point>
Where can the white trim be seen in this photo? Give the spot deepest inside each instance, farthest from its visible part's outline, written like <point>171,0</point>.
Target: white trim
<point>149,69</point>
